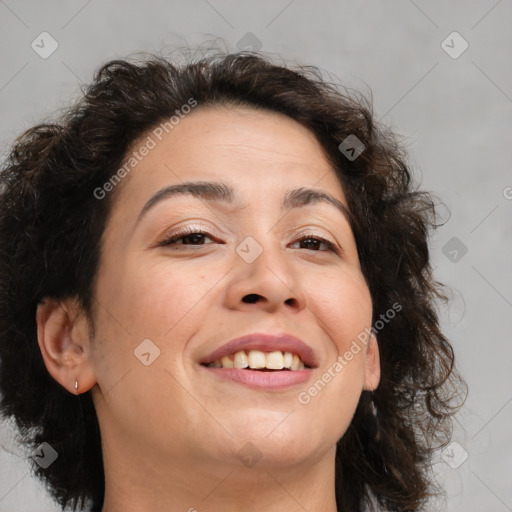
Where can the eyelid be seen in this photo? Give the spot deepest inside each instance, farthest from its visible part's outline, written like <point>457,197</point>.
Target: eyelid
<point>302,234</point>
<point>308,233</point>
<point>311,231</point>
<point>184,231</point>
<point>316,231</point>
<point>186,228</point>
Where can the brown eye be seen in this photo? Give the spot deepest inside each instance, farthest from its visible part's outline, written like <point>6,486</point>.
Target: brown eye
<point>314,242</point>
<point>187,237</point>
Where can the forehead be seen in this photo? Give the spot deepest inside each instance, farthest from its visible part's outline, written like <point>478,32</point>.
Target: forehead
<point>240,145</point>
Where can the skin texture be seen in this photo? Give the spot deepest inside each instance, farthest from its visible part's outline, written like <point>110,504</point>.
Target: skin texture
<point>171,431</point>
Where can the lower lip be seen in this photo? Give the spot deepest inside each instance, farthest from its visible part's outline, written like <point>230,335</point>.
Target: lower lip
<point>261,380</point>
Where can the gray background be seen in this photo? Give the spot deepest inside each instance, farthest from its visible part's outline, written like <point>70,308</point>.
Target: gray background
<point>454,115</point>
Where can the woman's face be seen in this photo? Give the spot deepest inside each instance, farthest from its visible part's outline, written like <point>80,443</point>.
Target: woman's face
<point>163,307</point>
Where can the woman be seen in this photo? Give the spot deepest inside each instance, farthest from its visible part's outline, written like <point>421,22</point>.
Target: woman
<point>216,295</point>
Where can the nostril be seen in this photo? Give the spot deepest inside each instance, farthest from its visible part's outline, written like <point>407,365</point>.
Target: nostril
<point>252,298</point>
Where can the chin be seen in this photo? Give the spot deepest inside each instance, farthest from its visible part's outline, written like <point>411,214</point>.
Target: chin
<point>276,443</point>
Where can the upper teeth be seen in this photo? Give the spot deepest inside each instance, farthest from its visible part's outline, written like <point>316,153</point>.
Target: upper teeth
<point>256,359</point>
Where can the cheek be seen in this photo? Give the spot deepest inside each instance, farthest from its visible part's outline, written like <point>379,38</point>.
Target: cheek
<point>146,302</point>
<point>343,308</point>
<point>155,301</point>
<point>152,302</point>
<point>343,305</point>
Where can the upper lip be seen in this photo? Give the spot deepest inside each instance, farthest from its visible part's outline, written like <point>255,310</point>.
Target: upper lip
<point>265,343</point>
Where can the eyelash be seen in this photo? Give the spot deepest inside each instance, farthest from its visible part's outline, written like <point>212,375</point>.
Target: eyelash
<point>197,231</point>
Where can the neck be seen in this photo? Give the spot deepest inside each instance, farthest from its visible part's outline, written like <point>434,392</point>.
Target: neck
<point>135,482</point>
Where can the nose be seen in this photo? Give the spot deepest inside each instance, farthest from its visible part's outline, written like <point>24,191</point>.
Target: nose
<point>268,283</point>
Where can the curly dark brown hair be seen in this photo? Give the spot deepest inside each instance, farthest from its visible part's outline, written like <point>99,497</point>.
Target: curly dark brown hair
<point>51,225</point>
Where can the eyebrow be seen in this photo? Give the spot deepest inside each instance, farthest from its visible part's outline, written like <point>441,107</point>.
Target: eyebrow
<point>218,191</point>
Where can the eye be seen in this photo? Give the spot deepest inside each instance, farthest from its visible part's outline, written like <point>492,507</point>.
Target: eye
<point>193,236</point>
<point>313,243</point>
<point>187,236</point>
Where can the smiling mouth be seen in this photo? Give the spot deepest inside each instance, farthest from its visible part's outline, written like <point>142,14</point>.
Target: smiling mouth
<point>260,361</point>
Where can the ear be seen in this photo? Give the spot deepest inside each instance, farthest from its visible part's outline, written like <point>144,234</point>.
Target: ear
<point>63,337</point>
<point>372,369</point>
